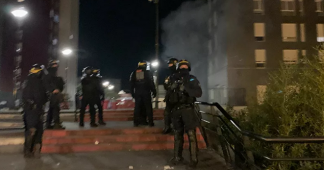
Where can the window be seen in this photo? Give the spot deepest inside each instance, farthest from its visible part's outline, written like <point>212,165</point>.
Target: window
<point>260,58</point>
<point>259,30</point>
<point>261,89</point>
<point>302,32</point>
<point>289,33</point>
<point>288,5</point>
<point>290,56</point>
<point>258,6</point>
<point>303,52</point>
<point>211,94</point>
<point>320,32</point>
<point>301,6</point>
<point>215,19</point>
<point>319,5</point>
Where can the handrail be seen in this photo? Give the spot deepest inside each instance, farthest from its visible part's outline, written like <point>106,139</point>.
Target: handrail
<point>262,138</point>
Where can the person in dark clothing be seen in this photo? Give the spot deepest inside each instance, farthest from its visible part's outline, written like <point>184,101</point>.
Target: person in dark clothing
<point>54,86</point>
<point>167,86</point>
<point>88,89</point>
<point>185,89</point>
<point>34,98</point>
<point>99,95</point>
<point>142,90</point>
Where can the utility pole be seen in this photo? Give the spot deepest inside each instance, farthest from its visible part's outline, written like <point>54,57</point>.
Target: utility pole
<point>157,46</point>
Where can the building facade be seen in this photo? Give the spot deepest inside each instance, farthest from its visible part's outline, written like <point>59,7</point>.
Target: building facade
<point>250,38</point>
<point>36,38</point>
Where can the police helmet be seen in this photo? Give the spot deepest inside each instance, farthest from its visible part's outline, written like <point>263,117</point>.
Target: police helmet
<point>87,70</point>
<point>53,62</point>
<point>173,61</point>
<point>96,71</point>
<point>184,62</point>
<point>36,69</point>
<point>142,64</point>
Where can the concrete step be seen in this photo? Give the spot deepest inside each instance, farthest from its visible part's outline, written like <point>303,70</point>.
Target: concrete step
<point>73,148</point>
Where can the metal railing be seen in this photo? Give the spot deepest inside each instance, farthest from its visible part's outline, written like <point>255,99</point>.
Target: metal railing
<point>232,136</point>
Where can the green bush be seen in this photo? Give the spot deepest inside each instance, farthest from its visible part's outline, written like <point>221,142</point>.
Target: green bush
<point>293,106</point>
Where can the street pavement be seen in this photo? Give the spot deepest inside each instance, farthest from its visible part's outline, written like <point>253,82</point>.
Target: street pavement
<point>123,160</point>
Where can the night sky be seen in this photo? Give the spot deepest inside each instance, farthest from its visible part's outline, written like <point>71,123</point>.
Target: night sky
<point>116,34</point>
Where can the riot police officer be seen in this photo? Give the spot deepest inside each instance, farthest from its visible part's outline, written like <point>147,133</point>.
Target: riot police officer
<point>55,86</point>
<point>186,88</point>
<point>99,94</point>
<point>167,86</point>
<point>142,90</point>
<point>88,89</point>
<point>34,98</point>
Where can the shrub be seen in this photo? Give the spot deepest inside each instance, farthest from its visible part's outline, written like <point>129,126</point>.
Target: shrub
<point>293,106</point>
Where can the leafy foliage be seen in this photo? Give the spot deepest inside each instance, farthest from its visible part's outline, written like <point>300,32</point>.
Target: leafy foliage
<point>293,107</point>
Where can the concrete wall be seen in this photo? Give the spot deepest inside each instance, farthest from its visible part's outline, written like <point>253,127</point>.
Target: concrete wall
<point>68,27</point>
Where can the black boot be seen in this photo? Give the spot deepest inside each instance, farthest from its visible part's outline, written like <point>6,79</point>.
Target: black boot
<point>81,119</point>
<point>93,125</point>
<point>193,148</point>
<point>28,147</point>
<point>101,122</point>
<point>178,148</point>
<point>37,150</point>
<point>58,126</point>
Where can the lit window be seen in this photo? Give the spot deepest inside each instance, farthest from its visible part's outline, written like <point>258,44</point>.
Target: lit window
<point>259,31</point>
<point>290,56</point>
<point>258,6</point>
<point>288,5</point>
<point>319,5</point>
<point>215,19</point>
<point>260,58</point>
<point>261,89</point>
<point>320,32</point>
<point>289,33</point>
<point>303,52</point>
<point>302,32</point>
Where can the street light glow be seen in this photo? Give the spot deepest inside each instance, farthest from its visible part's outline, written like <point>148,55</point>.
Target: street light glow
<point>111,87</point>
<point>19,13</point>
<point>155,64</point>
<point>67,51</point>
<point>106,83</point>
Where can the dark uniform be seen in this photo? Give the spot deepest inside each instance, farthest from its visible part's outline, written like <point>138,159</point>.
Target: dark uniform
<point>88,89</point>
<point>53,82</point>
<point>99,95</point>
<point>185,90</point>
<point>142,89</point>
<point>167,86</point>
<point>34,98</point>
